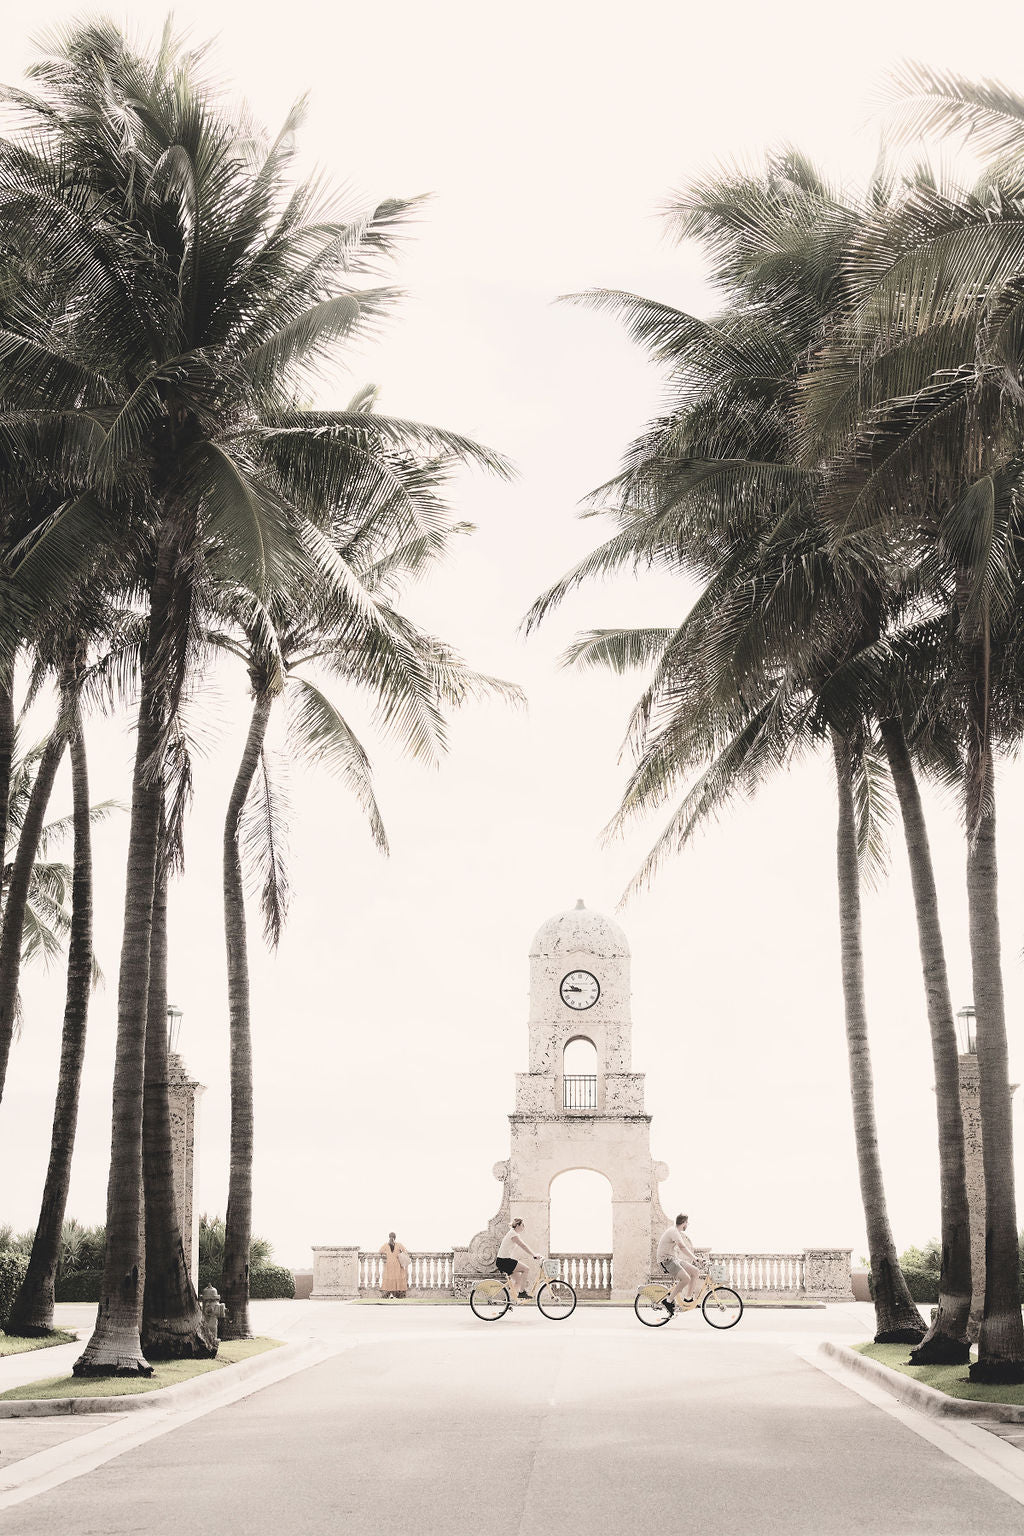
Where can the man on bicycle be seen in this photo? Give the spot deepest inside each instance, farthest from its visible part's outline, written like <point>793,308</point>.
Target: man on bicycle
<point>677,1259</point>
<point>509,1262</point>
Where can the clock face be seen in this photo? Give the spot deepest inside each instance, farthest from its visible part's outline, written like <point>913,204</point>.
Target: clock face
<point>579,990</point>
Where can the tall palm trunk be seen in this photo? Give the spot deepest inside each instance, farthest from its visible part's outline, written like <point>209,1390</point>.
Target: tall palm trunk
<point>21,878</point>
<point>32,1312</point>
<point>238,1224</point>
<point>946,1341</point>
<point>1001,1340</point>
<point>115,1348</point>
<point>897,1318</point>
<point>7,735</point>
<point>172,1319</point>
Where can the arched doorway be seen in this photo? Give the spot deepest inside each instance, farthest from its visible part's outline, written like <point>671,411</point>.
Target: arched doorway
<point>581,1229</point>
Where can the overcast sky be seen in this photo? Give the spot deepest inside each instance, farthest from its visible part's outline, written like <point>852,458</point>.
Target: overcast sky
<point>390,1024</point>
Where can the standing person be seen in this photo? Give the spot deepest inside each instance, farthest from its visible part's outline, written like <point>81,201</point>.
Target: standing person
<point>509,1262</point>
<point>678,1260</point>
<point>396,1260</point>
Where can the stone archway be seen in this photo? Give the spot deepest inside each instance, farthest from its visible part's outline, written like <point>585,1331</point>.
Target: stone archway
<point>580,1212</point>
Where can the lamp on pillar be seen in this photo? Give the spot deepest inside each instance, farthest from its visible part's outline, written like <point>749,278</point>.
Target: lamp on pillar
<point>967,1032</point>
<point>174,1017</point>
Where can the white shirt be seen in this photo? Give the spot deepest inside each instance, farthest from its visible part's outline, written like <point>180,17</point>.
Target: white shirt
<point>509,1243</point>
<point>674,1244</point>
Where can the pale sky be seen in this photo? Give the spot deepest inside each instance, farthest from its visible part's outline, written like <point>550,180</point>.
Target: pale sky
<point>390,1025</point>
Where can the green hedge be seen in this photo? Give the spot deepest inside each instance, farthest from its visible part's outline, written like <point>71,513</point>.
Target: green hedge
<point>13,1266</point>
<point>79,1285</point>
<point>923,1284</point>
<point>270,1282</point>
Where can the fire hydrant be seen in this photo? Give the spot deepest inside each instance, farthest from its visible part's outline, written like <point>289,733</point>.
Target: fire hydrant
<point>213,1310</point>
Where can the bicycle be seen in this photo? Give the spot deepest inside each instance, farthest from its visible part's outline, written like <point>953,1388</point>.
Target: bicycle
<point>555,1297</point>
<point>720,1305</point>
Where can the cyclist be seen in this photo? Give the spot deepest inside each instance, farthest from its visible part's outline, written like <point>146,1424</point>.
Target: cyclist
<point>677,1259</point>
<point>509,1263</point>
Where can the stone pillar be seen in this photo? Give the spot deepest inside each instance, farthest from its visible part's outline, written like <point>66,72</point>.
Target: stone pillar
<point>974,1167</point>
<point>335,1273</point>
<point>827,1274</point>
<point>183,1096</point>
<point>631,1247</point>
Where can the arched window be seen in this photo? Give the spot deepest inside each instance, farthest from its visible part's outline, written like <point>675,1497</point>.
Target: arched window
<point>579,1074</point>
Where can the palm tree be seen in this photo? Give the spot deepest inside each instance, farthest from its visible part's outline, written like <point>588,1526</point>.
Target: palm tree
<point>393,526</point>
<point>212,297</point>
<point>172,1317</point>
<point>932,428</point>
<point>32,1311</point>
<point>701,490</point>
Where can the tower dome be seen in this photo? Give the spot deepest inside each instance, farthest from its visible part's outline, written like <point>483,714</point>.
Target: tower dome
<point>580,929</point>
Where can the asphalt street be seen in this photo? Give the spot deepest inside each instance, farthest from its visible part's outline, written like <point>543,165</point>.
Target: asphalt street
<point>429,1421</point>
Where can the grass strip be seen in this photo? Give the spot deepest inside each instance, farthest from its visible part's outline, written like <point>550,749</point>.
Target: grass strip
<point>951,1379</point>
<point>166,1373</point>
<point>10,1344</point>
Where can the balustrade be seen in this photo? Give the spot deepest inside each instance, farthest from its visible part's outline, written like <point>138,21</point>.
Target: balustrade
<point>589,1274</point>
<point>763,1274</point>
<point>427,1272</point>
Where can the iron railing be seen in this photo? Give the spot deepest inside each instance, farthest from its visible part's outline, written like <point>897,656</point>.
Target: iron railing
<point>579,1092</point>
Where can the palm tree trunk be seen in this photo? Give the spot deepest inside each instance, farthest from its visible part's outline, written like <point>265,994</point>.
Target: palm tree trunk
<point>115,1348</point>
<point>32,1312</point>
<point>238,1223</point>
<point>1001,1340</point>
<point>21,878</point>
<point>7,735</point>
<point>897,1318</point>
<point>172,1319</point>
<point>946,1342</point>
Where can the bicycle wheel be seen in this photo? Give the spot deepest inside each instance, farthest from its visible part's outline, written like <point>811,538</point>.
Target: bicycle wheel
<point>489,1300</point>
<point>556,1299</point>
<point>648,1305</point>
<point>722,1307</point>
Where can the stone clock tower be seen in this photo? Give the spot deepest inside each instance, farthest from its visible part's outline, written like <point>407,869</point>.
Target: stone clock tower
<point>579,990</point>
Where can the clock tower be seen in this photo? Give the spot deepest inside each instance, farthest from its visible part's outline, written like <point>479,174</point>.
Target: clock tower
<point>579,991</point>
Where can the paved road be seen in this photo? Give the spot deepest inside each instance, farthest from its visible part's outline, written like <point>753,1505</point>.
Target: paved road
<point>430,1422</point>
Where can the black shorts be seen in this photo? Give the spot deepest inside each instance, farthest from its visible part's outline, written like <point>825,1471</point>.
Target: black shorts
<point>506,1266</point>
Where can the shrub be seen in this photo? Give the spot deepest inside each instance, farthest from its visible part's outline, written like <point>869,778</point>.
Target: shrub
<point>270,1282</point>
<point>79,1285</point>
<point>13,1266</point>
<point>211,1248</point>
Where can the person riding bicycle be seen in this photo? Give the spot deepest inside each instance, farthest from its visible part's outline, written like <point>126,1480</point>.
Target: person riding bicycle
<point>677,1259</point>
<point>509,1263</point>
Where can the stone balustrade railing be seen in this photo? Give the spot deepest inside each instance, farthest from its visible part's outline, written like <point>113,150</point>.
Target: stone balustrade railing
<point>428,1273</point>
<point>589,1274</point>
<point>763,1274</point>
<point>819,1274</point>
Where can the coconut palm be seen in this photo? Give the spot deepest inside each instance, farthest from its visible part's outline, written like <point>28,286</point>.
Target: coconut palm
<point>699,491</point>
<point>392,526</point>
<point>32,1311</point>
<point>930,430</point>
<point>214,292</point>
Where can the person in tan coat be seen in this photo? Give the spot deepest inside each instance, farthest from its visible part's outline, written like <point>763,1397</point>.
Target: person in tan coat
<point>396,1257</point>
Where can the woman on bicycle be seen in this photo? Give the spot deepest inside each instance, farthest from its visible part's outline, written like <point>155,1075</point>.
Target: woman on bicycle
<point>509,1264</point>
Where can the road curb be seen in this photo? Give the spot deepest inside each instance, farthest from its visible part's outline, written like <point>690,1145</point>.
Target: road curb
<point>168,1399</point>
<point>916,1395</point>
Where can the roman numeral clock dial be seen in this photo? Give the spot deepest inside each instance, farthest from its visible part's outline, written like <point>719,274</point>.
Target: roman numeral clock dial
<point>579,990</point>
